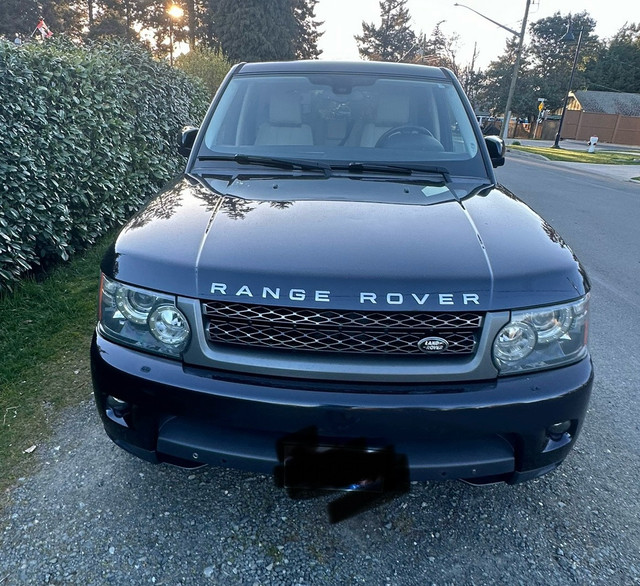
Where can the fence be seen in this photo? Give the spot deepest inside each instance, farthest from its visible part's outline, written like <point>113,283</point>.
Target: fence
<point>579,125</point>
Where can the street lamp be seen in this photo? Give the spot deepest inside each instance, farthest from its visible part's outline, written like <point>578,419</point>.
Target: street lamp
<point>489,19</point>
<point>516,67</point>
<point>568,37</point>
<point>175,12</point>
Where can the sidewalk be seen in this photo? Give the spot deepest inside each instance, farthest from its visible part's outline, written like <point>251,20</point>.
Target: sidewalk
<point>621,172</point>
<point>577,145</point>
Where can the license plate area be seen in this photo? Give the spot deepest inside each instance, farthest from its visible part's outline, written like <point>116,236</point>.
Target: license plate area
<point>334,467</point>
<point>309,462</point>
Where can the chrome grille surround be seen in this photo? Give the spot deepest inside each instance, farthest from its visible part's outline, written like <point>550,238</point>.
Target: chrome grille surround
<point>326,330</point>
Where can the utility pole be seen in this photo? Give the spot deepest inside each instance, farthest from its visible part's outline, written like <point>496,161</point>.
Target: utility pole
<point>568,37</point>
<point>516,67</point>
<point>514,76</point>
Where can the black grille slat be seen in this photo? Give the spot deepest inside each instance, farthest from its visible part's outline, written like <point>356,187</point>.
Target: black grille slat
<point>338,331</point>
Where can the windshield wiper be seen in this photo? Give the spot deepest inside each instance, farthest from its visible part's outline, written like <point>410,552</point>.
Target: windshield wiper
<point>401,169</point>
<point>293,164</point>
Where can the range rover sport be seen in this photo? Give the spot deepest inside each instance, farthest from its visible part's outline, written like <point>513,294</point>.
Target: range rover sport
<point>338,272</point>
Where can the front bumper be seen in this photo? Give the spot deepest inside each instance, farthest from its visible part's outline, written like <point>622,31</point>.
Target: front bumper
<point>165,411</point>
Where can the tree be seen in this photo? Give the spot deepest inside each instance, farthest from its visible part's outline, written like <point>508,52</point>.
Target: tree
<point>617,66</point>
<point>119,18</point>
<point>108,24</point>
<point>90,12</point>
<point>253,30</point>
<point>472,81</point>
<point>192,20</point>
<point>18,16</point>
<point>439,50</point>
<point>552,58</point>
<point>306,39</point>
<point>22,16</point>
<point>207,64</point>
<point>265,30</point>
<point>393,40</point>
<point>195,26</point>
<point>144,20</point>
<point>545,66</point>
<point>495,83</point>
<point>497,80</point>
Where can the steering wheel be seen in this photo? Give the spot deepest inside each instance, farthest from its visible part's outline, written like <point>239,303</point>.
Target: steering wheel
<point>399,130</point>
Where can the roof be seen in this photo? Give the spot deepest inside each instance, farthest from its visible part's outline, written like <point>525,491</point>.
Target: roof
<point>351,67</point>
<point>622,103</point>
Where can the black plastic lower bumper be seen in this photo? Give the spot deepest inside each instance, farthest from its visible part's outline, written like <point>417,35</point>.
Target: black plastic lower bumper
<point>503,429</point>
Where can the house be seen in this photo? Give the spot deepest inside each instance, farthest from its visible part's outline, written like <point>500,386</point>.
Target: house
<point>613,117</point>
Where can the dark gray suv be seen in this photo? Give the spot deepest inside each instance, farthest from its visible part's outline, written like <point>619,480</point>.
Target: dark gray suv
<point>338,291</point>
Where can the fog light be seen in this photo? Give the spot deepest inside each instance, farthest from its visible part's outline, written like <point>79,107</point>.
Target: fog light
<point>118,407</point>
<point>556,430</point>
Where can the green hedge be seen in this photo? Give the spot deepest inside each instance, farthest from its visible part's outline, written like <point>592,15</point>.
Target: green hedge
<point>208,65</point>
<point>86,135</point>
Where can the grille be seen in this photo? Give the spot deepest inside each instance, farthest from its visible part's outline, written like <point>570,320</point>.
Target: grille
<point>360,332</point>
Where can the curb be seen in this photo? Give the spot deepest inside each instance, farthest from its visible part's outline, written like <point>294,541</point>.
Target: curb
<point>518,153</point>
<point>586,167</point>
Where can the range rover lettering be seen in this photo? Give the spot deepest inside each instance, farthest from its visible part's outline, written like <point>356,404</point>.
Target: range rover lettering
<point>337,267</point>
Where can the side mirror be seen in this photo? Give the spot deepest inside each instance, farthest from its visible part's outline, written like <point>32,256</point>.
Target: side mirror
<point>496,148</point>
<point>186,140</point>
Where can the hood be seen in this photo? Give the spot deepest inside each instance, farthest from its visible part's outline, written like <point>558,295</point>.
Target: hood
<point>482,252</point>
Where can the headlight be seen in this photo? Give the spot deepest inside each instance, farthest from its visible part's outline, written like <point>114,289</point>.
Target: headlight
<point>143,319</point>
<point>544,337</point>
<point>168,325</point>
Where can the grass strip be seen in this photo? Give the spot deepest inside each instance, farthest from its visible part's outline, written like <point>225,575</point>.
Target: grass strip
<point>45,331</point>
<point>599,157</point>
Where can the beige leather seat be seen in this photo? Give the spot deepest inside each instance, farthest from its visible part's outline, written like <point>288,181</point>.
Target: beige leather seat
<point>392,111</point>
<point>284,126</point>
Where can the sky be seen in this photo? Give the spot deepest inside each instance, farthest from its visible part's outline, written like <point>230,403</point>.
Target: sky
<point>343,19</point>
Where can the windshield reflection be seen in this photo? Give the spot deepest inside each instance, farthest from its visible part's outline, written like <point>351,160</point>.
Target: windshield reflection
<point>188,193</point>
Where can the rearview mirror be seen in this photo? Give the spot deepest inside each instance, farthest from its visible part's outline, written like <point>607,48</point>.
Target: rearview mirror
<point>496,148</point>
<point>186,140</point>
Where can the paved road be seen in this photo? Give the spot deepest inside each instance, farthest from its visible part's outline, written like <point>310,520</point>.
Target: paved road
<point>93,515</point>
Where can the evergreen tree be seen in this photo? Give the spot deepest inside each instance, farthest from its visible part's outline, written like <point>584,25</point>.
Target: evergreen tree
<point>393,40</point>
<point>497,80</point>
<point>472,80</point>
<point>617,67</point>
<point>306,39</point>
<point>18,16</point>
<point>552,57</point>
<point>121,18</point>
<point>545,67</point>
<point>108,24</point>
<point>265,30</point>
<point>90,12</point>
<point>21,16</point>
<point>439,50</point>
<point>192,22</point>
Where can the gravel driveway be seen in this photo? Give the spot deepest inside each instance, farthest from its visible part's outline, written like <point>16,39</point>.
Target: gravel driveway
<point>95,515</point>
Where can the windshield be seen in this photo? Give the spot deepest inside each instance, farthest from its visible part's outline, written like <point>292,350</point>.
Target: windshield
<point>342,119</point>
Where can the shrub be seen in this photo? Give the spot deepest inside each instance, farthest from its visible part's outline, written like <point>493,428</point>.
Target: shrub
<point>88,133</point>
<point>206,64</point>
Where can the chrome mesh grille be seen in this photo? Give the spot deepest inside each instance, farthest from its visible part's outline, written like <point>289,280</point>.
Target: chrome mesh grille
<point>363,332</point>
